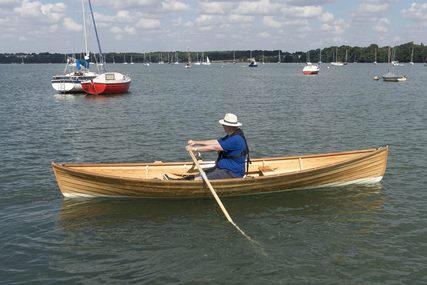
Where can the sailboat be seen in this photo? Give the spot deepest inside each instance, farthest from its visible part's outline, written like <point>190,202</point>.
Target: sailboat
<point>346,54</point>
<point>336,62</point>
<point>320,56</point>
<point>107,82</point>
<point>395,62</point>
<point>176,58</point>
<point>76,70</point>
<point>161,60</point>
<point>279,58</point>
<point>124,59</point>
<point>197,62</point>
<point>131,61</point>
<point>253,63</point>
<point>412,57</point>
<point>375,57</point>
<point>234,57</point>
<point>207,62</point>
<point>188,64</point>
<point>146,63</point>
<point>309,68</point>
<point>390,76</point>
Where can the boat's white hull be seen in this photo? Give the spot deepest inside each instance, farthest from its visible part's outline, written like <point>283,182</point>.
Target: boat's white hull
<point>311,69</point>
<point>67,87</point>
<point>337,63</point>
<point>71,82</point>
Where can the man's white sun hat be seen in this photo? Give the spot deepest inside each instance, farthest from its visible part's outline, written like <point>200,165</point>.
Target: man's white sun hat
<point>230,120</point>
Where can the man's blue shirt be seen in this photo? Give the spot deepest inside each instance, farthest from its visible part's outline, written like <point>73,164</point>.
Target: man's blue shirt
<point>233,146</point>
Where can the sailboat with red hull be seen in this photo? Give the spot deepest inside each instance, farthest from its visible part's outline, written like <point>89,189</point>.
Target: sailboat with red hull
<point>107,83</point>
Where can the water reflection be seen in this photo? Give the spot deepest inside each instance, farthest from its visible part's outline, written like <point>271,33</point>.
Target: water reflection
<point>343,201</point>
<point>105,97</point>
<point>67,97</point>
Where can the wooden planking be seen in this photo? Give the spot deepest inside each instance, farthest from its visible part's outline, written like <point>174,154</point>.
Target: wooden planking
<point>364,165</point>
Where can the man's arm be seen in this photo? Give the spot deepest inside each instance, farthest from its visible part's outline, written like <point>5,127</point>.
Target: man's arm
<point>207,145</point>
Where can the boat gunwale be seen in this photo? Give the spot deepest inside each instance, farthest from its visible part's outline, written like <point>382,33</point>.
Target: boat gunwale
<point>66,168</point>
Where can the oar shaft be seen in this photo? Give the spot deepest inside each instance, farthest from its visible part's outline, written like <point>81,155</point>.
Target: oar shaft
<point>218,200</point>
<point>205,178</point>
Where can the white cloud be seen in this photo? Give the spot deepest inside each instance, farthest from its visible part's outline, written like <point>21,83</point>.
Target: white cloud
<point>175,6</point>
<point>71,25</point>
<point>326,17</point>
<point>205,20</point>
<point>126,4</point>
<point>264,35</point>
<point>235,18</point>
<point>129,30</point>
<point>417,11</point>
<point>373,6</point>
<point>381,25</point>
<point>302,12</point>
<point>336,26</point>
<point>122,16</point>
<point>53,28</point>
<point>4,21</point>
<point>270,22</point>
<point>45,12</point>
<point>257,7</point>
<point>148,24</point>
<point>215,7</point>
<point>126,30</point>
<point>8,3</point>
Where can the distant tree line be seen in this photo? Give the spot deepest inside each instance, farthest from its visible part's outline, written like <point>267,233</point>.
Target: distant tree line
<point>351,54</point>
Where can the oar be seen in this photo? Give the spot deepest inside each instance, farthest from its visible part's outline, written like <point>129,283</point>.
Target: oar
<point>224,210</point>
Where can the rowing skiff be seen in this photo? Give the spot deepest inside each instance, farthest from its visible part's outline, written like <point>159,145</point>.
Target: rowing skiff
<point>265,175</point>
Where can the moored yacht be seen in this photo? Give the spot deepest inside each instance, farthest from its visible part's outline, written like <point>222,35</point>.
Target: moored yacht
<point>76,70</point>
<point>107,83</point>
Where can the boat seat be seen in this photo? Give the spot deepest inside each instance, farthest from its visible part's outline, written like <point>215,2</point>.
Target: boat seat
<point>266,170</point>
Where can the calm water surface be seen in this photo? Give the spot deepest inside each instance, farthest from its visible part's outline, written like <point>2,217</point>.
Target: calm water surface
<point>348,235</point>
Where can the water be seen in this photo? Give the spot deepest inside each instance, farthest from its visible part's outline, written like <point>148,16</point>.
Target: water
<point>349,235</point>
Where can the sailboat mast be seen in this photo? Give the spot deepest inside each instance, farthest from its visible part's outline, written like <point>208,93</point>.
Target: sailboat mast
<point>101,57</point>
<point>388,59</point>
<point>84,30</point>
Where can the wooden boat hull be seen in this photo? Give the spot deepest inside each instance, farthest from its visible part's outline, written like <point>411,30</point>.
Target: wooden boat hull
<point>265,176</point>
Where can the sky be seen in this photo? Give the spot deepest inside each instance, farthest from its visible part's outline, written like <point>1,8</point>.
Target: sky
<point>202,25</point>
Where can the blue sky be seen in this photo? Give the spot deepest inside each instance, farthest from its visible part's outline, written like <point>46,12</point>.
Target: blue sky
<point>202,25</point>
